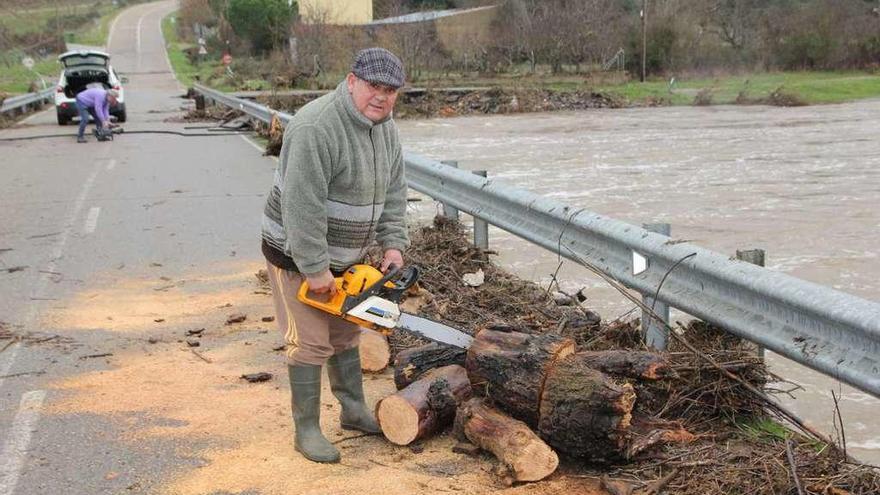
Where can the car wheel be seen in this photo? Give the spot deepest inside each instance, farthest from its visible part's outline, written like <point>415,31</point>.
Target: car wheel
<point>62,120</point>
<point>121,116</point>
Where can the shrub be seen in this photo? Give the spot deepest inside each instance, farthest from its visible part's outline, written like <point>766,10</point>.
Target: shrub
<point>265,24</point>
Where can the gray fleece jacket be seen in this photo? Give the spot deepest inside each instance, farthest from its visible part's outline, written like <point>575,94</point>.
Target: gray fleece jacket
<point>339,185</point>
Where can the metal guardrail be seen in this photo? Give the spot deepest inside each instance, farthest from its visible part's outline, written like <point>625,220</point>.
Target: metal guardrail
<point>827,330</point>
<point>23,102</point>
<point>259,112</point>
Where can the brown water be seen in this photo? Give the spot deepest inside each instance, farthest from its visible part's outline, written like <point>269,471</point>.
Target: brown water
<point>801,183</point>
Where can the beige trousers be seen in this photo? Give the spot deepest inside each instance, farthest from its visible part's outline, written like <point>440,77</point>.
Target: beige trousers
<point>311,335</point>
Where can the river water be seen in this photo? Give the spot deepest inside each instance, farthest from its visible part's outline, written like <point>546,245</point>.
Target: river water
<point>801,183</point>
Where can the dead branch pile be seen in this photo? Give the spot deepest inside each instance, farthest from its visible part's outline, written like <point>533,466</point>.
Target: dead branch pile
<point>694,390</point>
<point>211,113</point>
<point>738,447</point>
<point>451,103</point>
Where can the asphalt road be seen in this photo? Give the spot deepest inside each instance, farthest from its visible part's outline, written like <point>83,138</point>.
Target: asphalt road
<point>93,219</point>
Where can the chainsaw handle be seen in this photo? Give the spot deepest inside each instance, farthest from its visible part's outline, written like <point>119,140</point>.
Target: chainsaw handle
<point>402,280</point>
<point>408,277</point>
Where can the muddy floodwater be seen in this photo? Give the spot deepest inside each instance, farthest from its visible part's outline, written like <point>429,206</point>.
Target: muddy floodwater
<point>801,183</point>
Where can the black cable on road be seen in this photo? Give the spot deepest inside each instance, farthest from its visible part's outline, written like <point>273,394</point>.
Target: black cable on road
<point>174,133</point>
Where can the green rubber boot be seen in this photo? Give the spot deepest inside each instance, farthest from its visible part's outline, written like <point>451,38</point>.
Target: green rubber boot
<point>347,383</point>
<point>305,390</point>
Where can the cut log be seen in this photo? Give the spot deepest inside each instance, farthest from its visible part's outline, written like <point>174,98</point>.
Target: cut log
<point>425,406</point>
<point>584,413</point>
<point>512,368</point>
<point>411,364</point>
<point>526,456</point>
<point>632,364</point>
<point>375,351</point>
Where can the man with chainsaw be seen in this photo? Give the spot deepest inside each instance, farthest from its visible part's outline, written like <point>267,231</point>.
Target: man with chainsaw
<point>94,102</point>
<point>339,186</point>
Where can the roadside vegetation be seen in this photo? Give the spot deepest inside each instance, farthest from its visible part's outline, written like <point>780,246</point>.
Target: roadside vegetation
<point>699,52</point>
<point>41,30</point>
<point>189,70</point>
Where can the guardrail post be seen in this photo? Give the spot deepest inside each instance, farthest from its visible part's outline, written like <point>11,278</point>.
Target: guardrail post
<point>755,257</point>
<point>450,211</point>
<point>655,334</point>
<point>481,227</point>
<point>200,102</point>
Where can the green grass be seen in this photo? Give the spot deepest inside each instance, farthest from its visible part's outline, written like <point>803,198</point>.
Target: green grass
<point>96,34</point>
<point>765,430</point>
<point>769,431</point>
<point>15,78</point>
<point>186,71</point>
<point>811,87</point>
<point>40,20</point>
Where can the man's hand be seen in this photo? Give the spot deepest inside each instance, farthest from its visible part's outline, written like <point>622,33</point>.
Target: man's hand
<point>392,257</point>
<point>322,283</point>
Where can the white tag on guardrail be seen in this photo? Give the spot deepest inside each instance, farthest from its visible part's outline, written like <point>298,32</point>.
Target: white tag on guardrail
<point>640,263</point>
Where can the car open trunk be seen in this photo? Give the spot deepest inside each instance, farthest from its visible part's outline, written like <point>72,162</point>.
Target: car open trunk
<point>79,79</point>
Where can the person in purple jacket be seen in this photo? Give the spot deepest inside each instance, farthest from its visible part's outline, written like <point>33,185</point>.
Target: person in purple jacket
<point>95,102</point>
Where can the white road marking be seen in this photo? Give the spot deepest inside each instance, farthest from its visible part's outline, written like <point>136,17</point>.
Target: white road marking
<point>256,145</point>
<point>138,33</point>
<point>18,439</point>
<point>92,219</point>
<point>167,58</point>
<point>111,164</point>
<point>112,30</point>
<point>46,274</point>
<point>37,114</point>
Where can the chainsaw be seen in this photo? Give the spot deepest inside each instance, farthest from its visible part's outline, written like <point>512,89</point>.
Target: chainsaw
<point>106,134</point>
<point>366,297</point>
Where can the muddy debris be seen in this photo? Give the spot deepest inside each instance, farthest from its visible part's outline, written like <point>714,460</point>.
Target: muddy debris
<point>195,332</point>
<point>236,318</point>
<point>267,319</point>
<point>262,376</point>
<point>193,343</point>
<point>211,113</point>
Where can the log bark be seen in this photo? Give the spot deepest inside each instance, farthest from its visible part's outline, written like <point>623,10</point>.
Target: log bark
<point>411,364</point>
<point>631,364</point>
<point>374,349</point>
<point>425,406</point>
<point>584,413</point>
<point>512,368</point>
<point>525,455</point>
<point>646,433</point>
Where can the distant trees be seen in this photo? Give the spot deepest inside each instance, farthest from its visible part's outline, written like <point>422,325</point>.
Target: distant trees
<point>574,36</point>
<point>563,35</point>
<point>264,23</point>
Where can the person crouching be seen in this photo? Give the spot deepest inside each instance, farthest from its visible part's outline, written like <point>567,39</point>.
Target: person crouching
<point>94,102</point>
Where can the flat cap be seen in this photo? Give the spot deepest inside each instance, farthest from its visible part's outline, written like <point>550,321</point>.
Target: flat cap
<point>378,65</point>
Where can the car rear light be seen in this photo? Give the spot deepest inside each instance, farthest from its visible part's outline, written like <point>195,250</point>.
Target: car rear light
<point>64,105</point>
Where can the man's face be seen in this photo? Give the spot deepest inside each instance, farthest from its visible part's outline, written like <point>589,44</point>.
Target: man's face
<point>374,101</point>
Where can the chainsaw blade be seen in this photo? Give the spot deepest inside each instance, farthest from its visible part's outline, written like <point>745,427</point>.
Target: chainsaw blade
<point>432,330</point>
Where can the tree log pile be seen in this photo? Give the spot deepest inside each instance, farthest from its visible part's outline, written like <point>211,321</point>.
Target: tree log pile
<point>540,397</point>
